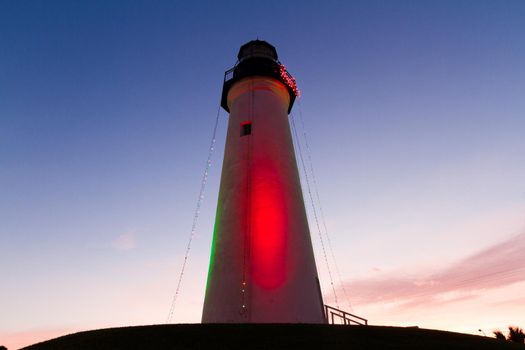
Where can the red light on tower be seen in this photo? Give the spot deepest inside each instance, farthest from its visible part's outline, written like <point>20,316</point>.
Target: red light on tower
<point>262,267</point>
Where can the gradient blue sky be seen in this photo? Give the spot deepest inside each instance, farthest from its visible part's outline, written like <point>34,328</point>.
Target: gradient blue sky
<point>415,114</point>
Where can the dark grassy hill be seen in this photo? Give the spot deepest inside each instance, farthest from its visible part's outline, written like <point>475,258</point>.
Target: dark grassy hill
<point>269,336</point>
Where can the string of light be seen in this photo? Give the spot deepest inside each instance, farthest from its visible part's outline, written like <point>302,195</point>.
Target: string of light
<point>314,179</point>
<point>325,256</point>
<point>195,217</point>
<point>296,147</point>
<point>289,80</point>
<point>247,235</point>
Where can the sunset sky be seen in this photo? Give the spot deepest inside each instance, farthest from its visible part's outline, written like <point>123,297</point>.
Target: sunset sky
<point>415,118</point>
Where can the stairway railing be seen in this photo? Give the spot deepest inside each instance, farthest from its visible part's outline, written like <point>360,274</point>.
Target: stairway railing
<point>336,316</point>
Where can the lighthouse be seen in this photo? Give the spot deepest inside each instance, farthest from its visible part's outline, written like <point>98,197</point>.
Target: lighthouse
<point>262,267</point>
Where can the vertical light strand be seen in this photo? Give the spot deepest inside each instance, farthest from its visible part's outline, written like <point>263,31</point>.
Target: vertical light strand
<point>321,212</point>
<point>303,176</point>
<point>195,216</point>
<point>325,256</point>
<point>248,219</point>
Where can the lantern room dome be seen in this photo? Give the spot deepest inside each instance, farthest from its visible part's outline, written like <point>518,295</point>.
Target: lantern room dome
<point>257,48</point>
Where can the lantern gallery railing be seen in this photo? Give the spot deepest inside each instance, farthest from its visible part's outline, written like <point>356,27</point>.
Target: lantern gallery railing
<point>336,316</point>
<point>283,73</point>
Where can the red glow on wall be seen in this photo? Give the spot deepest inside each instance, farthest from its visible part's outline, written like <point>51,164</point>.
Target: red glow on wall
<point>269,227</point>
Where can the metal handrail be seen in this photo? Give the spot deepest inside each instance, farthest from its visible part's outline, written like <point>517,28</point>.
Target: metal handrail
<point>229,73</point>
<point>347,318</point>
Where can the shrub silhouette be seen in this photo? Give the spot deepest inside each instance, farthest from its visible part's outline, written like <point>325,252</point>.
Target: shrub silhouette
<point>499,335</point>
<point>516,335</point>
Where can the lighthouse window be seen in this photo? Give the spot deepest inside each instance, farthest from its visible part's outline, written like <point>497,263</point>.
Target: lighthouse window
<point>246,128</point>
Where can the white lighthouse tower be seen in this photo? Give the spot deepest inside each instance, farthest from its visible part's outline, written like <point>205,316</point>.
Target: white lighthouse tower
<point>262,267</point>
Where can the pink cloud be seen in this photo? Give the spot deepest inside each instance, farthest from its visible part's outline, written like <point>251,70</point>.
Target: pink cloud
<point>497,266</point>
<point>124,242</point>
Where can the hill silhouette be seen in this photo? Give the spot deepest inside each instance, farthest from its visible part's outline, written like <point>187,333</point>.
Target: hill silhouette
<point>269,336</point>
